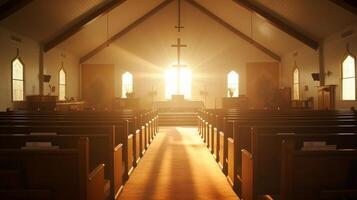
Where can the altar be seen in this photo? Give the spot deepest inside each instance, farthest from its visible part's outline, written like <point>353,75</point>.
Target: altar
<point>178,111</point>
<point>178,103</point>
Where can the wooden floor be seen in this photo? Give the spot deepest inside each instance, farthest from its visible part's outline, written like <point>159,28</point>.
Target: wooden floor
<point>177,165</point>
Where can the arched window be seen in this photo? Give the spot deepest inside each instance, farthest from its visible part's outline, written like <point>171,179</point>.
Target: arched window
<point>127,84</point>
<point>348,78</point>
<point>296,84</point>
<point>62,85</point>
<point>17,80</point>
<point>233,84</point>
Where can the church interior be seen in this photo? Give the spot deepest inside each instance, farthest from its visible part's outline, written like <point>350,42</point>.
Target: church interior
<point>178,99</point>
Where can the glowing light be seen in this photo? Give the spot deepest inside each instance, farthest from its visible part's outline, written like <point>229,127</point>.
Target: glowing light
<point>348,79</point>
<point>171,82</point>
<point>233,83</point>
<point>127,84</point>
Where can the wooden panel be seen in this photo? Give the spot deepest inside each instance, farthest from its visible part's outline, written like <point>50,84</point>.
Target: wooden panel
<point>262,83</point>
<point>221,148</point>
<point>41,102</point>
<point>230,161</point>
<point>118,169</point>
<point>215,144</point>
<point>247,175</point>
<point>240,102</point>
<point>137,145</point>
<point>98,85</point>
<point>130,153</point>
<point>326,97</point>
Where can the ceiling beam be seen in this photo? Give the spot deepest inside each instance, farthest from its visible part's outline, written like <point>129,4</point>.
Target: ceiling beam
<point>125,30</point>
<point>349,5</point>
<point>12,6</point>
<point>234,30</point>
<point>278,23</point>
<point>84,20</point>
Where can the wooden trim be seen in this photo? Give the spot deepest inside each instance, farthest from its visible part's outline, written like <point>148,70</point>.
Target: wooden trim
<point>96,171</point>
<point>275,21</point>
<point>11,7</point>
<point>349,5</point>
<point>124,31</point>
<point>81,22</point>
<point>234,30</point>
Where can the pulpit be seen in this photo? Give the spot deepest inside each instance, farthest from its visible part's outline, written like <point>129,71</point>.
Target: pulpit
<point>177,98</point>
<point>126,103</point>
<point>240,102</point>
<point>326,97</point>
<point>41,102</point>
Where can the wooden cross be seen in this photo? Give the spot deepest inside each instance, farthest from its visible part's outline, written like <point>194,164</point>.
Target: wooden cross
<point>179,16</point>
<point>179,65</point>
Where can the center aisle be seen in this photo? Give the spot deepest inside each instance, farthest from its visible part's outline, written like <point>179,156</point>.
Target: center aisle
<point>178,166</point>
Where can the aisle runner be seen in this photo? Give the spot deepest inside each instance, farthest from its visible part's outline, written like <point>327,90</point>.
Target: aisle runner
<point>177,166</point>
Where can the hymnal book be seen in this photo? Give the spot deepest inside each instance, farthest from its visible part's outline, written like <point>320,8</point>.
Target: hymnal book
<point>39,145</point>
<point>44,133</point>
<point>318,146</point>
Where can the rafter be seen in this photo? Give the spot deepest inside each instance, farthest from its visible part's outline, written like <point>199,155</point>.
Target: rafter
<point>234,30</point>
<point>12,6</point>
<point>278,23</point>
<point>84,20</point>
<point>125,30</point>
<point>349,5</point>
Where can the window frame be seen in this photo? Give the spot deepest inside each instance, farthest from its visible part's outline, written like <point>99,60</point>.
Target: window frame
<point>293,84</point>
<point>59,84</point>
<point>23,79</point>
<point>227,83</point>
<point>348,53</point>
<point>122,85</point>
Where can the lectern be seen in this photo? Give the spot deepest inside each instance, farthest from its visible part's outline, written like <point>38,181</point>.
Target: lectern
<point>41,102</point>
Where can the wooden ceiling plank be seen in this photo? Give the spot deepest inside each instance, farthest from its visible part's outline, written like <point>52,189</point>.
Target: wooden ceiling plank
<point>125,30</point>
<point>83,20</point>
<point>234,30</point>
<point>349,5</point>
<point>12,6</point>
<point>278,23</point>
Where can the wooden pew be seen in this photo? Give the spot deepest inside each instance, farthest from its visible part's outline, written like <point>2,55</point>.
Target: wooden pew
<point>67,118</point>
<point>293,119</point>
<point>263,160</point>
<point>105,146</point>
<point>64,172</point>
<point>318,174</point>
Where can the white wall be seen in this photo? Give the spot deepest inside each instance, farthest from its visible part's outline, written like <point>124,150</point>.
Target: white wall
<point>307,60</point>
<point>53,63</point>
<point>29,53</point>
<point>211,53</point>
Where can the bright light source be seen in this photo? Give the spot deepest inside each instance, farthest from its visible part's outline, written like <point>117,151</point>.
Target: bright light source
<point>171,80</point>
<point>233,83</point>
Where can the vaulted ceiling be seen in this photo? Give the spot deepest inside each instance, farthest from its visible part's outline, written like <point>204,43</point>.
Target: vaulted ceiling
<point>83,27</point>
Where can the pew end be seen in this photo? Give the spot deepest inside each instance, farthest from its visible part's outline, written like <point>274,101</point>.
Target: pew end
<point>96,184</point>
<point>247,175</point>
<point>230,161</point>
<point>118,170</point>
